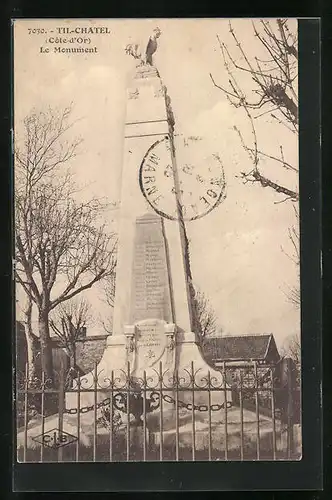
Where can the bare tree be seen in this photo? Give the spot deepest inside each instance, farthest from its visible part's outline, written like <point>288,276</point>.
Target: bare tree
<point>293,293</point>
<point>205,316</point>
<point>292,348</point>
<point>273,92</point>
<point>109,290</point>
<point>43,147</point>
<point>67,243</point>
<point>108,297</point>
<point>69,322</point>
<point>31,339</point>
<point>62,246</point>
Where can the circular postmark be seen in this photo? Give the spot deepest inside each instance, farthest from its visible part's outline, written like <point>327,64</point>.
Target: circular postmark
<point>192,186</point>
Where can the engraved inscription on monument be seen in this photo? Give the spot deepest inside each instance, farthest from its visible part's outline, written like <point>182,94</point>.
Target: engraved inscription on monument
<point>150,286</point>
<point>151,341</point>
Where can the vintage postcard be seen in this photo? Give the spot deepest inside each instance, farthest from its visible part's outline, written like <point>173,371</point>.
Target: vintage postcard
<point>157,259</point>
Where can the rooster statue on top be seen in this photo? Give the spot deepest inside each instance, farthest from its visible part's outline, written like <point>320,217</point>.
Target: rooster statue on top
<point>134,50</point>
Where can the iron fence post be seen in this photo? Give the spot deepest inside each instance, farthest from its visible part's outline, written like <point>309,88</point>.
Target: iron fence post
<point>61,408</point>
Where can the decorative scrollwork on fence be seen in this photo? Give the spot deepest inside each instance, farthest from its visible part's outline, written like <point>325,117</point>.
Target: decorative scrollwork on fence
<point>136,395</point>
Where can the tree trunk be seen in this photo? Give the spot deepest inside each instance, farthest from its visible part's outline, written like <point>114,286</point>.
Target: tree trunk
<point>31,355</point>
<point>73,357</point>
<point>45,344</point>
<point>72,374</point>
<point>32,348</point>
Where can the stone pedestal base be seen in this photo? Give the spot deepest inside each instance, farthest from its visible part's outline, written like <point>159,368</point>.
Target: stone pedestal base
<point>187,363</point>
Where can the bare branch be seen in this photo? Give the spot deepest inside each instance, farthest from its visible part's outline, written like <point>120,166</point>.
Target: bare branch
<point>273,185</point>
<point>59,240</point>
<point>292,347</point>
<point>221,88</point>
<point>69,322</point>
<point>274,93</point>
<point>205,314</point>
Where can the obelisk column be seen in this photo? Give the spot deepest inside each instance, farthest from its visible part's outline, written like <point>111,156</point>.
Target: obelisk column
<point>146,123</point>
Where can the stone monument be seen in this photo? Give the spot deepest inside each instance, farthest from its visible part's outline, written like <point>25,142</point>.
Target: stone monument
<point>154,315</point>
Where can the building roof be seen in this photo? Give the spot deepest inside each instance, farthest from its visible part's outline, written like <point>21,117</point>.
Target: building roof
<point>240,348</point>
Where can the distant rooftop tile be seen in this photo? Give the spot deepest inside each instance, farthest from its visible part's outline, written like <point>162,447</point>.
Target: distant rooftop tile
<point>240,348</point>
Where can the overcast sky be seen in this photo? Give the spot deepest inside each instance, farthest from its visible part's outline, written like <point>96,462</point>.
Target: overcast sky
<point>238,251</point>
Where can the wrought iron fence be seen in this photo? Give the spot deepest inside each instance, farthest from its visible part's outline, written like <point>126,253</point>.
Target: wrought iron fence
<point>246,412</point>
